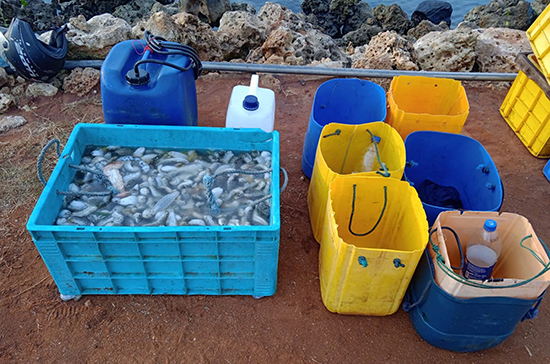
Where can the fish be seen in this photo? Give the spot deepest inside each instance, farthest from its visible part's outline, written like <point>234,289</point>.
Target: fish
<point>112,172</point>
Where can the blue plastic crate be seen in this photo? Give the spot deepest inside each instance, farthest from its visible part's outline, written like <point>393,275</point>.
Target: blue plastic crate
<point>216,260</point>
<point>462,325</point>
<point>546,170</point>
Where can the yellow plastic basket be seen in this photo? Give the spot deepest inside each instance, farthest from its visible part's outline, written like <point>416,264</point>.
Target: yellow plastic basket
<point>375,234</point>
<point>526,109</point>
<point>425,103</point>
<point>539,37</point>
<point>340,150</point>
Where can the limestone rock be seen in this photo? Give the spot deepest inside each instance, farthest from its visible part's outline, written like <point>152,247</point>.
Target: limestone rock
<point>337,17</point>
<point>452,51</point>
<point>41,89</point>
<point>434,11</point>
<point>170,9</point>
<point>3,77</point>
<point>135,10</point>
<point>363,35</point>
<point>239,33</point>
<point>41,15</point>
<point>6,100</point>
<point>95,38</point>
<point>513,14</point>
<point>81,81</point>
<point>160,24</point>
<point>392,18</point>
<point>538,6</point>
<point>243,7</point>
<point>497,49</point>
<point>388,50</point>
<point>279,43</point>
<point>308,43</point>
<point>199,35</point>
<point>183,28</point>
<point>209,11</point>
<point>426,27</point>
<point>87,8</point>
<point>11,122</point>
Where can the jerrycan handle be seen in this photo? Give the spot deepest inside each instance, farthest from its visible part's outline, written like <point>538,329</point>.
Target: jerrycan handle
<point>254,80</point>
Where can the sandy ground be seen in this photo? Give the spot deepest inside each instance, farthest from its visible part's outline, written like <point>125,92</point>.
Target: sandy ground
<point>293,326</point>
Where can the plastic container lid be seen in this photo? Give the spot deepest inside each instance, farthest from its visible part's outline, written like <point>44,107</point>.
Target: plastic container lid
<point>490,225</point>
<point>251,103</point>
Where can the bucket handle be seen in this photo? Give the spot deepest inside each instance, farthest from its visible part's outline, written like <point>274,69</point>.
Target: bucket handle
<point>460,279</point>
<point>533,311</point>
<point>379,218</point>
<point>407,305</point>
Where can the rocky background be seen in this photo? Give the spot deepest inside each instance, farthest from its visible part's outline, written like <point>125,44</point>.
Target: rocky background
<point>328,33</point>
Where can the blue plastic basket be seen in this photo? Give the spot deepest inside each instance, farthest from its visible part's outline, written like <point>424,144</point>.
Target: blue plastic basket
<point>453,160</point>
<point>341,100</point>
<point>462,325</point>
<point>546,170</point>
<point>216,260</point>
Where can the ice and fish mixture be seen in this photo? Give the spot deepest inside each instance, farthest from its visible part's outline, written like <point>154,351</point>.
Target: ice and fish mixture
<point>118,186</point>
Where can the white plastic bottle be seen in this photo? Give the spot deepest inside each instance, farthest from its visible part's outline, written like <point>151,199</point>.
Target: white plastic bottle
<point>370,160</point>
<point>251,107</point>
<point>483,252</point>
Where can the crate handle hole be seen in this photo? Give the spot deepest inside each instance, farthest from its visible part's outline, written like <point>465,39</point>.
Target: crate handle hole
<point>227,228</point>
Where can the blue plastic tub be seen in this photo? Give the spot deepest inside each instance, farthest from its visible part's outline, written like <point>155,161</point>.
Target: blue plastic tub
<point>169,98</point>
<point>457,161</point>
<point>341,100</point>
<point>546,170</point>
<point>462,325</point>
<point>216,260</point>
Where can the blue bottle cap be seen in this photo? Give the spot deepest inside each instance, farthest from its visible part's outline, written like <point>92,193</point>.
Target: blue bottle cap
<point>490,225</point>
<point>251,103</point>
<point>377,139</point>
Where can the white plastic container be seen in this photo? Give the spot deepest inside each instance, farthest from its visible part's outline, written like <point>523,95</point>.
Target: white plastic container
<point>251,107</point>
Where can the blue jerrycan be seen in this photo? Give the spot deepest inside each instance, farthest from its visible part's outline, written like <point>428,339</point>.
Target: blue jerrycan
<point>150,83</point>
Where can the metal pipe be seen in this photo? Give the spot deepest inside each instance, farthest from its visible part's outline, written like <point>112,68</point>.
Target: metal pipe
<point>325,71</point>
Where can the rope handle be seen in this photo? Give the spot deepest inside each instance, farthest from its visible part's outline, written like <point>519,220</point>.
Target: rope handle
<point>379,218</point>
<point>41,158</point>
<point>533,311</point>
<point>449,271</point>
<point>407,305</point>
<point>385,172</point>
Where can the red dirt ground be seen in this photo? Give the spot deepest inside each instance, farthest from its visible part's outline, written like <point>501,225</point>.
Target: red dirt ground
<point>293,326</point>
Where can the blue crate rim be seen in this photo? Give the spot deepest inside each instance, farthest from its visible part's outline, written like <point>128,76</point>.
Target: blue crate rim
<point>67,150</point>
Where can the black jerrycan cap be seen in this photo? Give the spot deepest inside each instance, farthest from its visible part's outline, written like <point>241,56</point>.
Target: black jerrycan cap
<point>251,103</point>
<point>140,79</point>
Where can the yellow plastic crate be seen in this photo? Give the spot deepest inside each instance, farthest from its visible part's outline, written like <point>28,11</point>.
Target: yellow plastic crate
<point>426,103</point>
<point>539,37</point>
<point>526,109</point>
<point>367,273</point>
<point>340,150</point>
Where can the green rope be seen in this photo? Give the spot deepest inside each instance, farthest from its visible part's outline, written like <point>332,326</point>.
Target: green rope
<point>337,132</point>
<point>447,270</point>
<point>382,165</point>
<point>379,218</point>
